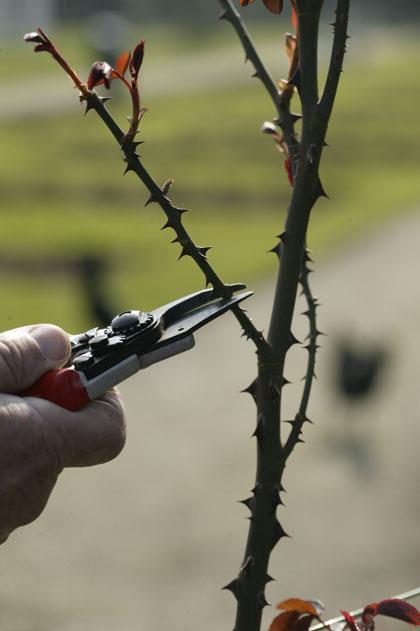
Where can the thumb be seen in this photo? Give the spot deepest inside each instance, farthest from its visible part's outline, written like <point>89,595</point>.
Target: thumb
<point>29,352</point>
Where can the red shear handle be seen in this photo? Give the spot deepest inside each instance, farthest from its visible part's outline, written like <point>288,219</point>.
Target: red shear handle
<point>63,387</point>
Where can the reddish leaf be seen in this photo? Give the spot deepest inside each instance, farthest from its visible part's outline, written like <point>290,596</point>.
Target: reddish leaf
<point>122,62</point>
<point>40,48</point>
<point>291,44</point>
<point>275,6</point>
<point>288,168</point>
<point>137,59</point>
<point>286,621</point>
<point>297,604</point>
<point>394,608</point>
<point>101,72</point>
<point>303,623</point>
<point>38,38</point>
<point>294,18</point>
<point>351,622</point>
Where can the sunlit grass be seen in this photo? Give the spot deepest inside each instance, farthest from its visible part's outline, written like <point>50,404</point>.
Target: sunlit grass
<point>63,194</point>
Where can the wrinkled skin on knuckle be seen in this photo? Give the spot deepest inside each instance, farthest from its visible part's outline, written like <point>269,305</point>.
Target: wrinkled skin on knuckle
<point>12,360</point>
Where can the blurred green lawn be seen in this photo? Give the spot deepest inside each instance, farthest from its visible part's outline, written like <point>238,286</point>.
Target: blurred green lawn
<point>63,194</point>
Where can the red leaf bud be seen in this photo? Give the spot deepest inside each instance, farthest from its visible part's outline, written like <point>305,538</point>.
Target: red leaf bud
<point>137,59</point>
<point>34,37</point>
<point>100,73</point>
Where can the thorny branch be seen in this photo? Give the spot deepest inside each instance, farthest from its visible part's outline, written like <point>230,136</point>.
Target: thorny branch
<point>265,530</point>
<point>312,346</point>
<point>285,119</point>
<point>157,194</point>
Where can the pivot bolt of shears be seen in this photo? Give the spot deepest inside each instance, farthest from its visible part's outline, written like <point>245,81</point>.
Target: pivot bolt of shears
<point>126,320</point>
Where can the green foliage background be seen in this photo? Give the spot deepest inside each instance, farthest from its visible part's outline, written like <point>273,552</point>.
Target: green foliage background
<point>63,194</point>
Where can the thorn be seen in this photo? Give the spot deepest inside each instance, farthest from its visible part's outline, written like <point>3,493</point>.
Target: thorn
<point>203,251</point>
<point>292,340</point>
<point>261,601</point>
<point>233,587</point>
<point>256,74</point>
<point>89,106</point>
<point>278,533</point>
<point>168,224</point>
<point>276,250</point>
<point>252,389</point>
<point>269,579</point>
<point>247,566</point>
<point>302,418</point>
<point>256,489</point>
<point>307,256</point>
<point>260,429</point>
<point>176,240</point>
<point>186,250</point>
<point>224,16</point>
<point>285,382</point>
<point>295,118</point>
<point>282,237</point>
<point>150,200</point>
<point>104,99</point>
<point>319,190</point>
<point>249,503</point>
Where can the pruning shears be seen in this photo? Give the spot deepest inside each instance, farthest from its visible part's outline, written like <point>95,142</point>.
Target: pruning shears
<point>104,357</point>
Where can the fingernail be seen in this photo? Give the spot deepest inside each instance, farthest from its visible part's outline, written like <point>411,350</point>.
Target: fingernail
<point>52,342</point>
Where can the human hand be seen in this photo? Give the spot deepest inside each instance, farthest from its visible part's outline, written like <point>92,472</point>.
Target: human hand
<point>38,439</point>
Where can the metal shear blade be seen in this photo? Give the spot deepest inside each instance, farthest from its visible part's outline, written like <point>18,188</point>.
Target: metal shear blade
<point>197,310</point>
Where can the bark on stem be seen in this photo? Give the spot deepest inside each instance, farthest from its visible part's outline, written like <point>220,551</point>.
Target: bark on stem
<point>265,530</point>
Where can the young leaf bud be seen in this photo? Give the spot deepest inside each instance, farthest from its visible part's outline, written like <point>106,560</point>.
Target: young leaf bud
<point>100,73</point>
<point>33,37</point>
<point>137,59</point>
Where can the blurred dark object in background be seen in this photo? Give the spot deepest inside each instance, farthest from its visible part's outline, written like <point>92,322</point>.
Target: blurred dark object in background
<point>106,30</point>
<point>89,271</point>
<point>92,270</point>
<point>358,369</point>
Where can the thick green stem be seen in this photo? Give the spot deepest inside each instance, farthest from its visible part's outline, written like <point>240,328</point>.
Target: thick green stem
<point>308,12</point>
<point>265,529</point>
<point>284,117</point>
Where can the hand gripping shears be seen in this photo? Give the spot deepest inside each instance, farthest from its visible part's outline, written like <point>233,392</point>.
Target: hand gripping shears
<point>103,357</point>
